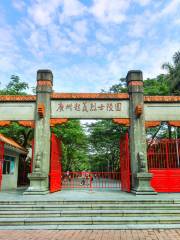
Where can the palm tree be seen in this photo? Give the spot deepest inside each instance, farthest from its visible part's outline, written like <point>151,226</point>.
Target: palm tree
<point>173,74</point>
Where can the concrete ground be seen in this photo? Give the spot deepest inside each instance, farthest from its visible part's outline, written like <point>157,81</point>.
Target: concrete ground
<point>90,235</point>
<point>76,195</point>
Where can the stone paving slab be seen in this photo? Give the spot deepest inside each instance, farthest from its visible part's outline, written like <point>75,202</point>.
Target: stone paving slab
<point>85,195</point>
<point>70,213</point>
<point>171,234</point>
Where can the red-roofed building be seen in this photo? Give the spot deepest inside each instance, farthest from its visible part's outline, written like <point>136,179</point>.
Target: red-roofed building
<point>10,154</point>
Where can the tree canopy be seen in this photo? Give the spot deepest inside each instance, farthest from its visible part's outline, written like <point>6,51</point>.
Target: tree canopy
<point>173,74</point>
<point>19,133</point>
<point>103,136</point>
<point>15,87</point>
<point>22,135</point>
<point>75,146</point>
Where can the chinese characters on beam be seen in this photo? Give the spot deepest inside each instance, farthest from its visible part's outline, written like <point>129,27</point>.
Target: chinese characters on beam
<point>89,107</point>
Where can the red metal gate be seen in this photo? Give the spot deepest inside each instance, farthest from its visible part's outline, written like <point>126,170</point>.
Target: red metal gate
<point>55,164</point>
<point>164,163</point>
<point>90,180</point>
<point>32,157</point>
<point>125,163</point>
<point>1,161</point>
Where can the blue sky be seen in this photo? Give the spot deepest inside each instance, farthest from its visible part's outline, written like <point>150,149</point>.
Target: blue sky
<point>88,44</point>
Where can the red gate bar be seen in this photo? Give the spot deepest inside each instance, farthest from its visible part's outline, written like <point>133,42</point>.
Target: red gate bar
<point>125,163</point>
<point>1,161</point>
<point>32,158</point>
<point>90,180</point>
<point>55,164</point>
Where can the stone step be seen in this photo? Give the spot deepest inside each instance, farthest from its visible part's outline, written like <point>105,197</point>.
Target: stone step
<point>89,207</point>
<point>92,227</point>
<point>88,221</point>
<point>90,202</point>
<point>88,213</point>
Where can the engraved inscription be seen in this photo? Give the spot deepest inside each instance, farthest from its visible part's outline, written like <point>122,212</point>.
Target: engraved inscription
<point>88,107</point>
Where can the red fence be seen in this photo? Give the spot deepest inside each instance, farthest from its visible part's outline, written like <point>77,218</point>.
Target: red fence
<point>90,180</point>
<point>163,162</point>
<point>1,161</point>
<point>164,154</point>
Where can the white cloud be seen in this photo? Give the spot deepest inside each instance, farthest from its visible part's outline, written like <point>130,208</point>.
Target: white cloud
<point>95,50</point>
<point>143,25</point>
<point>177,21</point>
<point>143,2</point>
<point>81,27</point>
<point>86,77</point>
<point>71,8</point>
<point>19,4</point>
<point>104,37</point>
<point>45,35</point>
<point>137,27</point>
<point>157,55</point>
<point>79,32</point>
<point>106,11</point>
<point>43,12</point>
<point>58,43</point>
<point>170,8</point>
<point>37,43</point>
<point>148,59</point>
<point>131,48</point>
<point>8,49</point>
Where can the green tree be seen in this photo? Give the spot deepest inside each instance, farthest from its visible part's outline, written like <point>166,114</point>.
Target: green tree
<point>120,87</point>
<point>104,145</point>
<point>173,74</point>
<point>75,146</point>
<point>15,87</point>
<point>20,134</point>
<point>156,86</point>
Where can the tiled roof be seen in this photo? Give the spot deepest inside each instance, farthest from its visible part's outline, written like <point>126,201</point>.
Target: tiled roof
<point>118,96</point>
<point>17,98</point>
<point>89,96</point>
<point>11,142</point>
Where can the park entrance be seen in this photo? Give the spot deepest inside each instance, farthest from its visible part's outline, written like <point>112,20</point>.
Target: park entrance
<point>107,176</point>
<point>132,110</point>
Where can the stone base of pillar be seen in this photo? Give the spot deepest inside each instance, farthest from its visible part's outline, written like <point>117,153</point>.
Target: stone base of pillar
<point>143,186</point>
<point>38,184</point>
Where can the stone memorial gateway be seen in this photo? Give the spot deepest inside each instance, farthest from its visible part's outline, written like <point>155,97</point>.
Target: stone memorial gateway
<point>48,108</point>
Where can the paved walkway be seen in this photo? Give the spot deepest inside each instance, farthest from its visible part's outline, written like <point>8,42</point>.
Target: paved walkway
<point>78,195</point>
<point>91,235</point>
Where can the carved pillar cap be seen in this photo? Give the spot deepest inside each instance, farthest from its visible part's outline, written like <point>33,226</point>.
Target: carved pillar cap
<point>135,76</point>
<point>44,75</point>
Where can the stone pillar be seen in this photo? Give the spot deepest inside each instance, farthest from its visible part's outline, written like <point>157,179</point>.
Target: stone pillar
<point>140,183</point>
<point>39,179</point>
